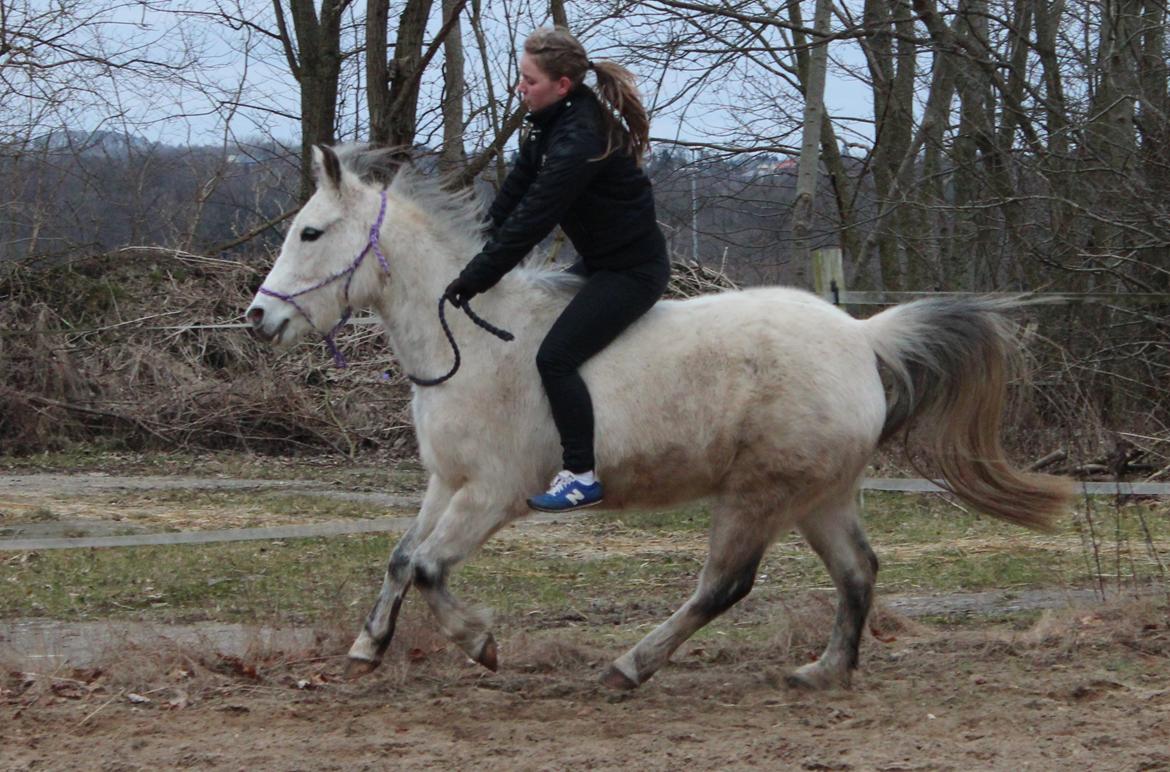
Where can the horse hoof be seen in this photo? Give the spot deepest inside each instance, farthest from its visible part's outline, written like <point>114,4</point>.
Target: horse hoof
<point>489,655</point>
<point>617,680</point>
<point>356,668</point>
<point>799,682</point>
<point>811,678</point>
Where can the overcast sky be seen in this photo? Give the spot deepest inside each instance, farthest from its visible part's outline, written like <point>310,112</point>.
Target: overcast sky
<point>246,65</point>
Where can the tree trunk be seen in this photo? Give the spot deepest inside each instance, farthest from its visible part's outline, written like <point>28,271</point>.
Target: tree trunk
<point>814,111</point>
<point>453,156</point>
<point>1154,126</point>
<point>556,9</point>
<point>974,126</point>
<point>934,119</point>
<point>844,188</point>
<point>909,225</point>
<point>315,62</point>
<point>880,59</point>
<point>378,69</point>
<point>1003,172</point>
<point>1109,136</point>
<point>1055,165</point>
<point>393,88</point>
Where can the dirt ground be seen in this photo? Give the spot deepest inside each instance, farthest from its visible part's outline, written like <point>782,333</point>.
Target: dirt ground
<point>1081,688</point>
<point>1085,690</point>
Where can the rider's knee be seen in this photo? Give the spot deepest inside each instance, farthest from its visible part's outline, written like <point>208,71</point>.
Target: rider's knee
<point>553,361</point>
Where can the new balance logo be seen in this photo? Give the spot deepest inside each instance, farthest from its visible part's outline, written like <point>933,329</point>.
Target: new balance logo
<point>575,497</point>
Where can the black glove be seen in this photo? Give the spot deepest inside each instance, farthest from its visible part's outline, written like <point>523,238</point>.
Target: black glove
<point>459,292</point>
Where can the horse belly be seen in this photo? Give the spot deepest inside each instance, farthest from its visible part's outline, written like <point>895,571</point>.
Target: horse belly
<point>667,431</point>
<point>765,407</point>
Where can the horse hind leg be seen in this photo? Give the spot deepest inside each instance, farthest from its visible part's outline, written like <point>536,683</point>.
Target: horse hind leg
<point>737,543</point>
<point>837,537</point>
<point>376,634</point>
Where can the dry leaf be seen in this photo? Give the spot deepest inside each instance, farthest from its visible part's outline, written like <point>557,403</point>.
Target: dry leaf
<point>68,689</point>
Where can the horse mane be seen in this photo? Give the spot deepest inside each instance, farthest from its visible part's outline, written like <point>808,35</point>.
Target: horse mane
<point>372,164</point>
<point>556,282</point>
<point>456,212</point>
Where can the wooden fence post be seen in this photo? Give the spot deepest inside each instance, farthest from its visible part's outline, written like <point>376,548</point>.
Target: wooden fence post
<point>828,274</point>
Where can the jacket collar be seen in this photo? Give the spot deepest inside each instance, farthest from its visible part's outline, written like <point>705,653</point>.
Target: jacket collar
<point>545,116</point>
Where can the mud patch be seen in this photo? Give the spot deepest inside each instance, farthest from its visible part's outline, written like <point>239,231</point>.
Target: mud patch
<point>1090,690</point>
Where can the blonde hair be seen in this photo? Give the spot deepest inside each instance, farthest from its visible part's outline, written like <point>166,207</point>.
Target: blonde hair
<point>560,55</point>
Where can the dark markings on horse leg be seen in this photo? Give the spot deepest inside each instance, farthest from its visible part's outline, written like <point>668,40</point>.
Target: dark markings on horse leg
<point>728,590</point>
<point>384,641</point>
<point>855,601</point>
<point>857,596</point>
<point>399,563</point>
<point>432,577</point>
<point>398,571</point>
<point>429,576</point>
<point>863,547</point>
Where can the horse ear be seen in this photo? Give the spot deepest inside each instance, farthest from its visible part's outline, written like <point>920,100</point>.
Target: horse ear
<point>326,166</point>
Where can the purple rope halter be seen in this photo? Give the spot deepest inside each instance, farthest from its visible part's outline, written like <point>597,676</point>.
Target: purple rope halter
<point>347,274</point>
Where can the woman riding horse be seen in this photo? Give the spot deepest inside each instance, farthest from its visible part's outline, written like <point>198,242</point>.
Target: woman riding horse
<point>578,167</point>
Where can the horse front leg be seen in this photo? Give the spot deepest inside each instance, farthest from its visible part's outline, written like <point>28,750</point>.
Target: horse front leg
<point>370,646</point>
<point>468,522</point>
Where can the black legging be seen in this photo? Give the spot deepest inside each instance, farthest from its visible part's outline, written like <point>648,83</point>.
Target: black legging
<point>609,302</point>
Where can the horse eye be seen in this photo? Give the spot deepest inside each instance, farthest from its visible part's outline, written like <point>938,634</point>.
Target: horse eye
<point>311,234</point>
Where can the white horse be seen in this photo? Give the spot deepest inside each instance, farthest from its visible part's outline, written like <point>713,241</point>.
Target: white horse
<point>769,402</point>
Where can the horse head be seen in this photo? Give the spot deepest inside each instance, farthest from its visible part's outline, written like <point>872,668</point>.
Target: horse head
<point>331,261</point>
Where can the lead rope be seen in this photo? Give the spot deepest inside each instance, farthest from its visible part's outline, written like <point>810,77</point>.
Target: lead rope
<point>502,334</point>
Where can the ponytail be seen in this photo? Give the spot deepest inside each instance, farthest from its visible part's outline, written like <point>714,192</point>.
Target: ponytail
<point>616,88</point>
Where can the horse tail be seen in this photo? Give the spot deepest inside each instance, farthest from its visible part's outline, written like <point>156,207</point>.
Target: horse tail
<point>951,361</point>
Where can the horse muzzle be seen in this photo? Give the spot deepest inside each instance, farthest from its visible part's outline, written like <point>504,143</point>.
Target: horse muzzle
<point>264,327</point>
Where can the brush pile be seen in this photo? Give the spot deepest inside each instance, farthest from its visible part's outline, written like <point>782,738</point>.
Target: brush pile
<point>138,351</point>
<point>689,278</point>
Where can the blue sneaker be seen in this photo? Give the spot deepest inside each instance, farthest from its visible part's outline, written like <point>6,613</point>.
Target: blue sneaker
<point>566,493</point>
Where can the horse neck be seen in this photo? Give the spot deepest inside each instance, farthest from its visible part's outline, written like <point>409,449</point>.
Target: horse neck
<point>421,266</point>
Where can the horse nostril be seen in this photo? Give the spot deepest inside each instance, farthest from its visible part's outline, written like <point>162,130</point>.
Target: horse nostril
<point>255,316</point>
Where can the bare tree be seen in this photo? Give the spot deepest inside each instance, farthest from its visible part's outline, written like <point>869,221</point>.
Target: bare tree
<point>454,154</point>
<point>314,56</point>
<point>814,91</point>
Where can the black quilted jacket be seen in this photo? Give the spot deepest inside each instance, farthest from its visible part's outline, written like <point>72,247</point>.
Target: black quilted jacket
<point>605,207</point>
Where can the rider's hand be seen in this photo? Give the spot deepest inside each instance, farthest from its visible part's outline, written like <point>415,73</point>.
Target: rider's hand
<point>459,292</point>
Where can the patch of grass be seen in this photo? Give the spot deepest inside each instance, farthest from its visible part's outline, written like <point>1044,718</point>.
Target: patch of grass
<point>695,517</point>
<point>893,517</point>
<point>265,505</point>
<point>950,569</point>
<point>375,473</point>
<point>523,579</point>
<point>290,581</point>
<point>611,570</point>
<point>928,544</point>
<point>1011,620</point>
<point>43,515</point>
